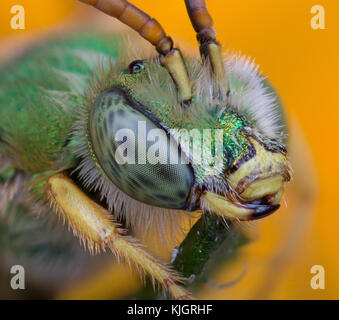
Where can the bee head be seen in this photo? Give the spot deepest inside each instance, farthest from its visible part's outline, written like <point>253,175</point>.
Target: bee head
<point>217,118</point>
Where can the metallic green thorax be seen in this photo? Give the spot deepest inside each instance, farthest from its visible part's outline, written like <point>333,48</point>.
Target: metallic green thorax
<point>39,95</point>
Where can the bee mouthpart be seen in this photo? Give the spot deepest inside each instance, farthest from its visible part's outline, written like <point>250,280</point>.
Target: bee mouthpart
<point>233,209</point>
<point>271,188</point>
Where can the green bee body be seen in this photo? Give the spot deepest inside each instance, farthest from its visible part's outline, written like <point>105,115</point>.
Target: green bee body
<point>57,99</point>
<point>40,94</point>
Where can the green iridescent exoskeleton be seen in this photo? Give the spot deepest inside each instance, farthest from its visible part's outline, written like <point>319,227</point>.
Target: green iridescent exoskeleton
<point>63,102</point>
<point>39,95</point>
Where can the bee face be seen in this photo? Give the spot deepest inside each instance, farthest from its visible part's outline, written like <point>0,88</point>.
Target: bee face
<point>222,162</point>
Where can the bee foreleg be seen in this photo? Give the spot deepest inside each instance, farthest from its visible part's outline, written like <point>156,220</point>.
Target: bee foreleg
<point>95,227</point>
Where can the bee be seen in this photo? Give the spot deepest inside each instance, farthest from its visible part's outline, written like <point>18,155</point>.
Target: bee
<point>66,123</point>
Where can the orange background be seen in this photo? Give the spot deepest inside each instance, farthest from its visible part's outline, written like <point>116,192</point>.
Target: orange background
<point>302,63</point>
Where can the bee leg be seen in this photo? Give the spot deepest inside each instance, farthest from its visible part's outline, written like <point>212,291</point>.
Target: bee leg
<point>95,228</point>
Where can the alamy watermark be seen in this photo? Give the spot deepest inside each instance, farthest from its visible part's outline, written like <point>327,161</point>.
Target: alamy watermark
<point>18,19</point>
<point>18,280</point>
<point>318,280</point>
<point>318,18</point>
<point>155,146</point>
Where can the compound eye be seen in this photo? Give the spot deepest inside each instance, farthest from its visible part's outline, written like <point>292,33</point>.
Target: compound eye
<point>136,66</point>
<point>136,153</point>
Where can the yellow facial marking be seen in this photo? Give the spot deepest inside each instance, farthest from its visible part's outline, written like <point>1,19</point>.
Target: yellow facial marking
<point>264,164</point>
<point>261,188</point>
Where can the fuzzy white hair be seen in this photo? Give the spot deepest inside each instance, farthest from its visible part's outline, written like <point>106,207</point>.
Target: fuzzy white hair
<point>255,100</point>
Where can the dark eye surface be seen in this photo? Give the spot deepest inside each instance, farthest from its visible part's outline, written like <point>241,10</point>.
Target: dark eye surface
<point>136,66</point>
<point>120,130</point>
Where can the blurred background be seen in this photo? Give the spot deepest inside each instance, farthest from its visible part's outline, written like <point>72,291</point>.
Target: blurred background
<point>302,64</point>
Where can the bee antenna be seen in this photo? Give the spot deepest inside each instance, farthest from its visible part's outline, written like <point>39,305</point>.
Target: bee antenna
<point>202,23</point>
<point>151,30</point>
